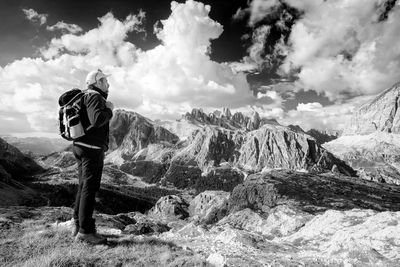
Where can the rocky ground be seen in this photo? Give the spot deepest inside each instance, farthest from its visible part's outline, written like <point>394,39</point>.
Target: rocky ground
<point>278,218</point>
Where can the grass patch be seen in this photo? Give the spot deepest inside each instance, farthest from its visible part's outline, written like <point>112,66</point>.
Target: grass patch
<point>41,245</point>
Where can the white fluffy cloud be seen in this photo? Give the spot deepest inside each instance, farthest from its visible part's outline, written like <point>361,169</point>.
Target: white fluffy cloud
<point>314,106</point>
<point>162,82</point>
<point>34,16</point>
<point>340,47</point>
<point>61,25</point>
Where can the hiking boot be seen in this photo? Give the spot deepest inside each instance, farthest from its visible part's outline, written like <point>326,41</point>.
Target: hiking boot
<point>75,231</point>
<point>92,238</point>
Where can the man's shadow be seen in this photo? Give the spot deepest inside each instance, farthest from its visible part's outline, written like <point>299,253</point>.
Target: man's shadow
<point>115,241</point>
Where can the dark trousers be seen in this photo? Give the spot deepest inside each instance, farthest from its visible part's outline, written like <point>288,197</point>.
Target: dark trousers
<point>90,166</point>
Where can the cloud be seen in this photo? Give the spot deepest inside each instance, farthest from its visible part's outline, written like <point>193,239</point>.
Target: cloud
<point>71,28</point>
<point>340,48</point>
<point>314,106</point>
<point>315,116</point>
<point>163,82</point>
<point>33,16</point>
<point>258,10</point>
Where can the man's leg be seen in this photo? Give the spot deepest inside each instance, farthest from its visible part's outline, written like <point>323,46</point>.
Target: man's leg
<point>77,153</point>
<point>92,166</point>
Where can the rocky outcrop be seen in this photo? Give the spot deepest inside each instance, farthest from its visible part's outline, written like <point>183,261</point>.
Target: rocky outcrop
<point>379,114</point>
<point>131,132</point>
<point>209,206</point>
<point>169,207</point>
<point>311,193</point>
<point>16,164</point>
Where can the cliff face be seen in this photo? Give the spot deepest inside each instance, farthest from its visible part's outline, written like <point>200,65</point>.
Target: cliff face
<point>380,114</point>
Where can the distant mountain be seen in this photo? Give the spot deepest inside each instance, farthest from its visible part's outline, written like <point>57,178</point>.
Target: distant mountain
<point>37,145</point>
<point>14,164</point>
<point>380,114</point>
<point>371,143</point>
<point>14,167</point>
<point>228,120</point>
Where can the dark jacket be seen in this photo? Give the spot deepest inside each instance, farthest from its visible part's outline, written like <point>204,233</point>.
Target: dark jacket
<point>95,117</point>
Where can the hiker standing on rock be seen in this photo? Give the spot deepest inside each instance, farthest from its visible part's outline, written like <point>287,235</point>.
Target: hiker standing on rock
<point>89,150</point>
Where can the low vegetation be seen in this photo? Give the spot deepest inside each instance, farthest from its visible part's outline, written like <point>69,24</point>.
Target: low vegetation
<point>32,243</point>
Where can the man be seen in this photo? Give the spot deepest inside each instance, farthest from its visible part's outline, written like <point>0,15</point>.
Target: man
<point>89,149</point>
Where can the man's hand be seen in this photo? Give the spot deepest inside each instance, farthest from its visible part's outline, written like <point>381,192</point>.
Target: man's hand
<point>110,105</point>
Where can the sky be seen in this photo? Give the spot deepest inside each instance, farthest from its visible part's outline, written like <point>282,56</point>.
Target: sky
<point>309,63</point>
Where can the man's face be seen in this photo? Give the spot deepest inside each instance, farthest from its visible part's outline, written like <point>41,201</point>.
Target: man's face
<point>103,85</point>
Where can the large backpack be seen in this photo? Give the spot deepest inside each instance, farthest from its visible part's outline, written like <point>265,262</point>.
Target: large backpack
<point>70,123</point>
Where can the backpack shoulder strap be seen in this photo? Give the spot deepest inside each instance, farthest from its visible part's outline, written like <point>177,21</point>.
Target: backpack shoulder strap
<point>74,99</point>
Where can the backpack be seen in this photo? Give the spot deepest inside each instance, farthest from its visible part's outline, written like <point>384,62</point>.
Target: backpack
<point>70,124</point>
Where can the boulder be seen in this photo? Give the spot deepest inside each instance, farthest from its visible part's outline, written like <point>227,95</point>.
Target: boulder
<point>173,207</point>
<point>209,206</point>
<point>280,221</point>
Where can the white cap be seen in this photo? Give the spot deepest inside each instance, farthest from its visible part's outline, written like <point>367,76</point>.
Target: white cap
<point>94,76</point>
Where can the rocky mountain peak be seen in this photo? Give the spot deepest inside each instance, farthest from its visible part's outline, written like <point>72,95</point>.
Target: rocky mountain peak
<point>225,119</point>
<point>227,113</point>
<point>380,114</point>
<point>131,132</point>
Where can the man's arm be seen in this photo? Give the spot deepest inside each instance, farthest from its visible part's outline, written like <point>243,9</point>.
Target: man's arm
<point>97,111</point>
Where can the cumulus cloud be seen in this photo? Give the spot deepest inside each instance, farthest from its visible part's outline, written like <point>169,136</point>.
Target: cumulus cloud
<point>163,82</point>
<point>62,26</point>
<point>34,16</point>
<point>339,48</point>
